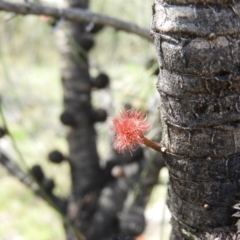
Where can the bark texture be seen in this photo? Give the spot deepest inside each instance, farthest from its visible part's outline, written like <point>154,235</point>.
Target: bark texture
<point>83,157</point>
<point>199,85</point>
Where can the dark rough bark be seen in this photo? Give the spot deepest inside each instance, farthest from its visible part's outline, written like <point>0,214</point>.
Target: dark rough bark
<point>83,157</point>
<point>198,53</point>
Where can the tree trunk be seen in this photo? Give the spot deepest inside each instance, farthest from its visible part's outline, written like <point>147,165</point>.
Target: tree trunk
<point>74,42</point>
<point>198,53</point>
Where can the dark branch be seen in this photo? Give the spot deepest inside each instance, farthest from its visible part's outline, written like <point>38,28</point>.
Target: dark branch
<point>72,14</point>
<point>15,170</point>
<point>29,182</point>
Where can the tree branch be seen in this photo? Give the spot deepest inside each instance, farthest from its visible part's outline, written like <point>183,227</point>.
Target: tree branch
<point>72,14</point>
<point>15,170</point>
<point>26,179</point>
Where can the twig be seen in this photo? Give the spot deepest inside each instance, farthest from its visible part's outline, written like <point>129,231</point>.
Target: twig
<point>72,14</point>
<point>17,172</point>
<point>11,136</point>
<point>27,180</point>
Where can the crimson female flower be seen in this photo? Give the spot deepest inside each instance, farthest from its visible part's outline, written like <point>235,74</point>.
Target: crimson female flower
<point>129,128</point>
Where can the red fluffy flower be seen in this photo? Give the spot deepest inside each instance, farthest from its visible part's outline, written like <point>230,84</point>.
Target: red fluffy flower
<point>129,128</point>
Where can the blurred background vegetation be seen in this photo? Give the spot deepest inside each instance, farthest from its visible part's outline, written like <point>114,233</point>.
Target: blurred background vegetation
<point>31,93</point>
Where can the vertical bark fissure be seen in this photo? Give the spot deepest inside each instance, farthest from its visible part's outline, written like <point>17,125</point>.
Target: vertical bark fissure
<point>199,86</point>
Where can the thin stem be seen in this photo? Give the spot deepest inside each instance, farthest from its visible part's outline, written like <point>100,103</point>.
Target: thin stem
<point>154,145</point>
<point>11,137</point>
